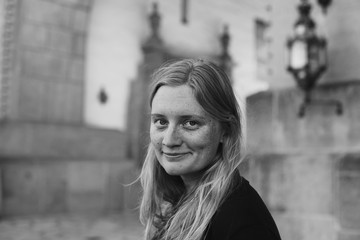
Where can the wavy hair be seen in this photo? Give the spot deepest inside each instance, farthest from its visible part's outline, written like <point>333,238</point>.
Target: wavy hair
<point>167,210</point>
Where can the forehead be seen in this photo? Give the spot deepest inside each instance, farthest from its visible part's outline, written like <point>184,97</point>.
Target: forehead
<point>178,100</point>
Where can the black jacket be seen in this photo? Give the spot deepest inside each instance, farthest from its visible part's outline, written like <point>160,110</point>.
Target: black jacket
<point>243,216</point>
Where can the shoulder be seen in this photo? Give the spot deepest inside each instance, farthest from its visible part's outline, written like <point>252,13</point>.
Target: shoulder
<point>243,215</point>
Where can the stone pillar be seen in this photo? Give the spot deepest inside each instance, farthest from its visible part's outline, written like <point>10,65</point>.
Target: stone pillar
<point>139,121</point>
<point>9,12</point>
<point>225,60</point>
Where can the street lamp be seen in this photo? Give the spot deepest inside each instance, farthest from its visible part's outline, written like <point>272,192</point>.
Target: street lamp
<point>308,57</point>
<point>225,60</point>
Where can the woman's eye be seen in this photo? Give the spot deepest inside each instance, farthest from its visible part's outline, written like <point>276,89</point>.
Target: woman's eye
<point>191,124</point>
<point>160,122</point>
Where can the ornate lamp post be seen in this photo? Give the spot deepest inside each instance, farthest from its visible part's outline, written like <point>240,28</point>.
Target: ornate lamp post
<point>307,57</point>
<point>225,59</point>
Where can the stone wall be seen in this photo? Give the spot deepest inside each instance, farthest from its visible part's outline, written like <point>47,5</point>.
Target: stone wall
<point>308,169</point>
<point>48,74</point>
<point>52,168</point>
<point>50,162</point>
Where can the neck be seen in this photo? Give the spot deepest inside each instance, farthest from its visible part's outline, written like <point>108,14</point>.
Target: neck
<point>190,182</point>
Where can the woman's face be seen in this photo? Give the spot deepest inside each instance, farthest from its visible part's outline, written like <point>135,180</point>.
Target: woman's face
<point>184,136</point>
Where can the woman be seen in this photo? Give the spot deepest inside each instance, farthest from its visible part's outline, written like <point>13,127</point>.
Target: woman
<point>192,186</point>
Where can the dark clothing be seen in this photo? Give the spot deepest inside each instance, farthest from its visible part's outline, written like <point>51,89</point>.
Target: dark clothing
<point>243,216</point>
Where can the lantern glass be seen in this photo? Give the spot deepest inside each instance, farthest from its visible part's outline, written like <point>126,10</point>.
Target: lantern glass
<point>300,30</point>
<point>298,54</point>
<point>314,64</point>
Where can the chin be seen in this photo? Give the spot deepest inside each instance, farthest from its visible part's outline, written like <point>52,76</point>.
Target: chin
<point>173,172</point>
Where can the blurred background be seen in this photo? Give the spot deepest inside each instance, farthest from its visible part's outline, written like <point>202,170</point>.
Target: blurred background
<point>74,110</point>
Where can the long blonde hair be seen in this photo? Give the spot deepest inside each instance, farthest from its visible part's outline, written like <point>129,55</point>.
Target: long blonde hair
<point>167,210</point>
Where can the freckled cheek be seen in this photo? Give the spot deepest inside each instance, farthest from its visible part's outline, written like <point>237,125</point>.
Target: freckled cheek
<point>204,139</point>
<point>205,147</point>
<point>201,142</point>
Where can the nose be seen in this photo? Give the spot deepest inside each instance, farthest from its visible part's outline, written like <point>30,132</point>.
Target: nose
<point>171,137</point>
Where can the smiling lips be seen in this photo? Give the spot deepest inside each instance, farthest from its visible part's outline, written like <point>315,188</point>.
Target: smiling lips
<point>174,155</point>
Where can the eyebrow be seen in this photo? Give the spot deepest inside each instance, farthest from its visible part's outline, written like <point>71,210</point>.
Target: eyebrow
<point>181,116</point>
<point>156,115</point>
